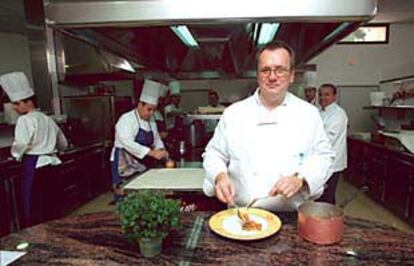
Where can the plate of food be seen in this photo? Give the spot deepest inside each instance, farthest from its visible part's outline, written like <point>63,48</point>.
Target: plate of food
<point>249,224</point>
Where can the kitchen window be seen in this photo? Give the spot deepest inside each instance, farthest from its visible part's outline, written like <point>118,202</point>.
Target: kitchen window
<point>368,34</point>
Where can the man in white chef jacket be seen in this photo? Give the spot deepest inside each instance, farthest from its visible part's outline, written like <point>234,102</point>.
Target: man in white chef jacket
<point>159,114</point>
<point>173,110</point>
<point>138,145</point>
<point>335,122</point>
<point>309,81</point>
<point>269,144</point>
<point>36,139</point>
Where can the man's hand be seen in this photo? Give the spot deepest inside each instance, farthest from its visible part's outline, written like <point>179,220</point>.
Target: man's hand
<point>224,188</point>
<point>158,153</point>
<point>287,186</point>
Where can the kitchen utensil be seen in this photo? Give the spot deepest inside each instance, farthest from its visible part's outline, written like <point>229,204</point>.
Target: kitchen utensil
<point>323,223</point>
<point>255,200</point>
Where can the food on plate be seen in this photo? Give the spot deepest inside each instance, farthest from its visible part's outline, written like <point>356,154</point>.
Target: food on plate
<point>249,224</point>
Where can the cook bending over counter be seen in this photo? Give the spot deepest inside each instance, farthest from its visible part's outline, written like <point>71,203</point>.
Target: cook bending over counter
<point>138,145</point>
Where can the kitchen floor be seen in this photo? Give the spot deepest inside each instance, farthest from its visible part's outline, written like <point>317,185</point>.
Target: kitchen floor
<point>361,207</point>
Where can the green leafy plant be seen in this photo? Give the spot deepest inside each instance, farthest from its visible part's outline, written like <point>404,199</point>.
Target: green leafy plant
<point>148,214</point>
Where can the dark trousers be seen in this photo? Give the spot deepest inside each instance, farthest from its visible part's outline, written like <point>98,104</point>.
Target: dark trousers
<point>329,192</point>
<point>40,198</point>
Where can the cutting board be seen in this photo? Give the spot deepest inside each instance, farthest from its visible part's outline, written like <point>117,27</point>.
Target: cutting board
<point>189,179</point>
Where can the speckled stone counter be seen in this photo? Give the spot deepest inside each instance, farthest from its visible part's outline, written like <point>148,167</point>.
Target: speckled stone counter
<point>95,239</point>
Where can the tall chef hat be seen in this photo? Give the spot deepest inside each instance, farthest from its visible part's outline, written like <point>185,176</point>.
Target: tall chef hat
<point>175,87</point>
<point>16,86</point>
<point>309,79</point>
<point>150,92</point>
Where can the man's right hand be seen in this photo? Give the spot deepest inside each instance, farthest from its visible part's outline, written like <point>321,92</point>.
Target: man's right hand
<point>224,188</point>
<point>158,153</point>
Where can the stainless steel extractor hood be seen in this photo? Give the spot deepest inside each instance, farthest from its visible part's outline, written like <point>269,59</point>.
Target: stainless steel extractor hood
<point>139,30</point>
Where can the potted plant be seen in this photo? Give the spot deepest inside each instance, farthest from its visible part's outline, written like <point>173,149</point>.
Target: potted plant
<point>147,217</point>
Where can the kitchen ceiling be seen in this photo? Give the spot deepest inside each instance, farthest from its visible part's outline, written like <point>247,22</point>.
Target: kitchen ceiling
<point>226,31</point>
<point>227,41</point>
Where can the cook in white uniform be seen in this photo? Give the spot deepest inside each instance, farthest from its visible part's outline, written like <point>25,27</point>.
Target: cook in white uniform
<point>159,112</point>
<point>36,137</point>
<point>335,122</point>
<point>213,101</point>
<point>138,145</point>
<point>173,110</point>
<point>309,81</point>
<point>272,143</point>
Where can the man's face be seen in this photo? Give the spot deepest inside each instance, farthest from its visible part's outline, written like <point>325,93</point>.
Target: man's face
<point>146,110</point>
<point>212,99</point>
<point>274,72</point>
<point>326,96</point>
<point>176,99</point>
<point>21,107</point>
<point>310,94</point>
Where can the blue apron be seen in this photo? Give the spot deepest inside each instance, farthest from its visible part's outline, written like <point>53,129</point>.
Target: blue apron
<point>29,169</point>
<point>143,137</point>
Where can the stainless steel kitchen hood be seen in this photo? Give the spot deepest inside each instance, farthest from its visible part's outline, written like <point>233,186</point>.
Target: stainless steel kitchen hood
<point>138,30</point>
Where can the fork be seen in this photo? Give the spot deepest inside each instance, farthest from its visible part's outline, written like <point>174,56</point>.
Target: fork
<point>255,200</point>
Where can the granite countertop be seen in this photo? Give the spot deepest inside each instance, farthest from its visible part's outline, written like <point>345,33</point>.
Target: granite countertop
<point>393,148</point>
<point>95,239</point>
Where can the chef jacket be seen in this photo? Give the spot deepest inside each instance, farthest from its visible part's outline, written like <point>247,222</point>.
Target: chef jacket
<point>125,131</point>
<point>37,134</point>
<point>170,120</point>
<point>335,122</point>
<point>257,146</point>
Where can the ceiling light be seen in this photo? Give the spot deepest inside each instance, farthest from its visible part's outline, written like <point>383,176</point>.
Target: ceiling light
<point>185,35</point>
<point>267,33</point>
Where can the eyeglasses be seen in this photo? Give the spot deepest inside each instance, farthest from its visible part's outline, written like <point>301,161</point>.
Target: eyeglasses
<point>278,71</point>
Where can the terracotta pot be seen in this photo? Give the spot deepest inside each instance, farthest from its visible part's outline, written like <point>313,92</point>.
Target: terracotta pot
<point>321,223</point>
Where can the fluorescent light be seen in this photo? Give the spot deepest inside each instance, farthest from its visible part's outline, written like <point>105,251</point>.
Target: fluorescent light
<point>125,65</point>
<point>185,35</point>
<point>337,31</point>
<point>267,33</point>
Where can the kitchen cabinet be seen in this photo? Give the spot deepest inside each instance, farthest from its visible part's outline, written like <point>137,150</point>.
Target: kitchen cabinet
<point>5,207</point>
<point>376,171</point>
<point>356,170</point>
<point>388,173</point>
<point>9,179</point>
<point>398,187</point>
<point>81,176</point>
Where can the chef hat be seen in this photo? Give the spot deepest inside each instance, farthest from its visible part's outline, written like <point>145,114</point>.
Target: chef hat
<point>150,92</point>
<point>163,90</point>
<point>175,87</point>
<point>16,86</point>
<point>309,79</point>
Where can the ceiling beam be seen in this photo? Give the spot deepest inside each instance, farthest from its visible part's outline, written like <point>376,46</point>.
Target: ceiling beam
<point>166,12</point>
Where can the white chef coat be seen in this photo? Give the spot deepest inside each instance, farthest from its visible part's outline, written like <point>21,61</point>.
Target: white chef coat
<point>127,128</point>
<point>170,119</point>
<point>257,146</point>
<point>37,134</point>
<point>335,122</point>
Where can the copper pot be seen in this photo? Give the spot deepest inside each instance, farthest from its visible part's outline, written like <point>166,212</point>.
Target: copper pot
<point>321,223</point>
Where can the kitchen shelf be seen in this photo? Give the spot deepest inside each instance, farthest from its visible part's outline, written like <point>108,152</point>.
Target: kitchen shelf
<point>400,107</point>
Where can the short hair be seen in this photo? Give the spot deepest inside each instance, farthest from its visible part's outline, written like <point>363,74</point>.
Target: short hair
<point>213,92</point>
<point>274,46</point>
<point>31,98</point>
<point>330,85</point>
<point>310,88</point>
